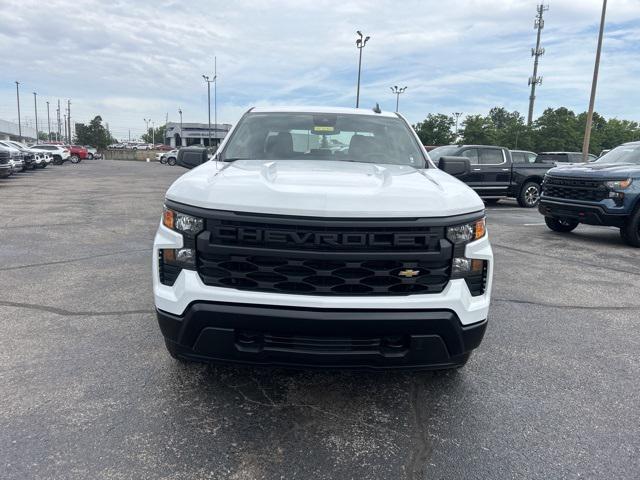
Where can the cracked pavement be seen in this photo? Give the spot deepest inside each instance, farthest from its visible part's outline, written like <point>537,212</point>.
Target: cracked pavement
<point>88,391</point>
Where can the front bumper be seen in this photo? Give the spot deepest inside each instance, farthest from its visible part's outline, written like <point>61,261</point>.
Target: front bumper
<point>5,170</point>
<point>375,339</point>
<point>591,214</point>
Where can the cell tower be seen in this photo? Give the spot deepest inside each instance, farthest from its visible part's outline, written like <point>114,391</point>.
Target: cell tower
<point>536,53</point>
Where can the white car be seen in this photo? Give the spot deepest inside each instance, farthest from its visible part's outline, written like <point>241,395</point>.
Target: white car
<point>58,153</point>
<point>285,251</point>
<point>92,152</point>
<point>41,159</point>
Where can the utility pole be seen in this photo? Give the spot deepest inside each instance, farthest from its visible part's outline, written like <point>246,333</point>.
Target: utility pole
<point>536,53</point>
<point>129,135</point>
<point>397,91</point>
<point>153,133</point>
<point>594,84</point>
<point>48,122</point>
<point>215,95</point>
<point>70,138</point>
<point>59,126</point>
<point>457,116</point>
<point>65,129</point>
<point>360,44</point>
<point>19,122</point>
<point>180,112</point>
<point>208,80</point>
<point>35,108</point>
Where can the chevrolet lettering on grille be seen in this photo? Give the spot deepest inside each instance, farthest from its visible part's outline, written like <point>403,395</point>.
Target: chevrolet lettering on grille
<point>319,239</point>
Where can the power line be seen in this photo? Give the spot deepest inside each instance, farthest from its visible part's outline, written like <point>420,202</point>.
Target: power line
<point>536,53</point>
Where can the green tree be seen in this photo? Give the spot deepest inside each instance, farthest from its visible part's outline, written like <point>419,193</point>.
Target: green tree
<point>43,136</point>
<point>510,129</point>
<point>156,135</point>
<point>478,130</point>
<point>94,134</point>
<point>557,130</point>
<point>617,132</point>
<point>436,130</point>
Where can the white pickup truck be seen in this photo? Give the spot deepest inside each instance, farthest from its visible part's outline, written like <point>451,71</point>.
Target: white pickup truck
<point>322,237</point>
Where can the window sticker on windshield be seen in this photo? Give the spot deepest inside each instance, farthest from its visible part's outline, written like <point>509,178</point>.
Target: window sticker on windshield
<point>320,128</point>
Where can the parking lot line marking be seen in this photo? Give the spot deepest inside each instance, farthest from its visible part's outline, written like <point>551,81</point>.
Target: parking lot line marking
<point>533,224</point>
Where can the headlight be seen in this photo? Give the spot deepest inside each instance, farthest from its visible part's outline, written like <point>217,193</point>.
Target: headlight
<point>182,222</point>
<point>619,184</point>
<point>468,232</point>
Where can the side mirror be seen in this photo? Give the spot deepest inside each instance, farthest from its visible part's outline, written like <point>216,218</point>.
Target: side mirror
<point>189,157</point>
<point>456,166</point>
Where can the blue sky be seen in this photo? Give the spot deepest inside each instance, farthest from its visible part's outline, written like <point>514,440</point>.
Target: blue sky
<point>132,60</point>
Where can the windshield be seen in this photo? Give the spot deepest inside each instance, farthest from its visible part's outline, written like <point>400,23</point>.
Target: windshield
<point>324,136</point>
<point>445,151</point>
<point>622,154</point>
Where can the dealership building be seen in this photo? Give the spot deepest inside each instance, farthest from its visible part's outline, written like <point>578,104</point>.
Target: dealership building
<point>186,134</point>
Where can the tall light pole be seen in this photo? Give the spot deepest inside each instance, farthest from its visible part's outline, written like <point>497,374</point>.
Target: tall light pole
<point>48,121</point>
<point>536,53</point>
<point>594,84</point>
<point>397,91</point>
<point>69,121</point>
<point>215,95</point>
<point>18,98</point>
<point>35,108</point>
<point>153,133</point>
<point>360,44</point>
<point>65,129</point>
<point>180,112</point>
<point>58,117</point>
<point>457,116</point>
<point>208,80</point>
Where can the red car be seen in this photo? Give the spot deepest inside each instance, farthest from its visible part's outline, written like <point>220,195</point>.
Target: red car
<point>78,153</point>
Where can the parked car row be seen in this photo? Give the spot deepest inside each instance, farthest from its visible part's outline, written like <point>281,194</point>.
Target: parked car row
<point>138,146</point>
<point>17,156</point>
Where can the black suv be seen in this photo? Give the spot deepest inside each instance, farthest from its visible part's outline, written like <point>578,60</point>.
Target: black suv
<point>494,174</point>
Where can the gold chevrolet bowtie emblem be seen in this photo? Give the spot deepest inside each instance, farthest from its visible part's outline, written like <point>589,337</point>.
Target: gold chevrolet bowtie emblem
<point>409,273</point>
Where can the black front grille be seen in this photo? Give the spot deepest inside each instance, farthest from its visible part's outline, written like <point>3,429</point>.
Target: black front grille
<point>315,344</point>
<point>574,189</point>
<point>322,257</point>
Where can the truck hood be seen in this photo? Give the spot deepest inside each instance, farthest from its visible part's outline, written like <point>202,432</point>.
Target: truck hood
<point>613,171</point>
<point>324,189</point>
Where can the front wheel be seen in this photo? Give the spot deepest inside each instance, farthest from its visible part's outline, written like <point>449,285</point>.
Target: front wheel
<point>562,225</point>
<point>74,158</point>
<point>90,156</point>
<point>630,232</point>
<point>529,195</point>
<point>171,161</point>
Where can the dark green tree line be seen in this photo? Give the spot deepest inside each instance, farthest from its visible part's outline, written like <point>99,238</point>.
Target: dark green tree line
<point>555,129</point>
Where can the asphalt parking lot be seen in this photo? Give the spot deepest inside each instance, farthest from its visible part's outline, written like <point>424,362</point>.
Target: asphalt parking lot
<point>87,389</point>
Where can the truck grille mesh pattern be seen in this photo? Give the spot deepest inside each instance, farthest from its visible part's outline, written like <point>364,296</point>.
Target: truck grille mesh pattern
<point>324,257</point>
<point>322,277</point>
<point>574,189</point>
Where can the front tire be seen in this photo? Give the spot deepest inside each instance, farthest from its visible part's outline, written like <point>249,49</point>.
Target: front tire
<point>171,161</point>
<point>529,195</point>
<point>562,225</point>
<point>74,158</point>
<point>90,156</point>
<point>630,232</point>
